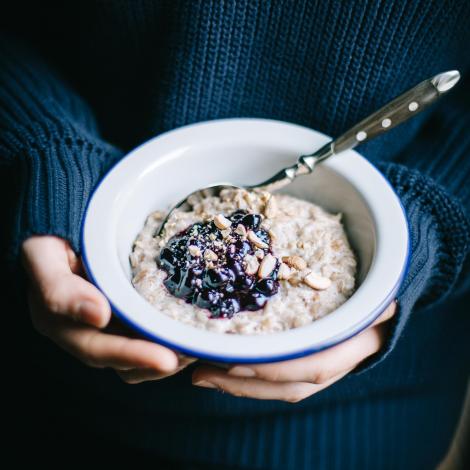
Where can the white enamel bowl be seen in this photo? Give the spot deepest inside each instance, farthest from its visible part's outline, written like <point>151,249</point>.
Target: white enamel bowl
<point>245,151</point>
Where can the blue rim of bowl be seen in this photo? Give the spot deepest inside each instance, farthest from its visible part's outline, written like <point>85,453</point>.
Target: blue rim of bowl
<point>375,313</point>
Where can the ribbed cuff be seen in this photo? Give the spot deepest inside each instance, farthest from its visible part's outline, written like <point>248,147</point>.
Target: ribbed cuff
<point>49,134</point>
<point>58,174</point>
<point>440,239</point>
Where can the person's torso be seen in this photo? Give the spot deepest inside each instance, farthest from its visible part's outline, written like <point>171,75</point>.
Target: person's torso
<point>149,66</point>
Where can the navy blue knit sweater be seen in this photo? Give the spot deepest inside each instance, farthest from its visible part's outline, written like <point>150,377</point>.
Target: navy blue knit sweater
<point>80,84</point>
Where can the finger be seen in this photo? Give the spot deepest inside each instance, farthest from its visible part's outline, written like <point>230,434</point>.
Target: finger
<point>136,376</point>
<point>293,392</point>
<point>320,367</point>
<point>387,314</point>
<point>62,292</point>
<point>75,263</point>
<point>99,349</point>
<point>73,296</point>
<point>184,360</point>
<point>40,250</point>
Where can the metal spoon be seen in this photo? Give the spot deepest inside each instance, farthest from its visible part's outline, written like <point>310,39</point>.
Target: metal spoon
<point>392,114</point>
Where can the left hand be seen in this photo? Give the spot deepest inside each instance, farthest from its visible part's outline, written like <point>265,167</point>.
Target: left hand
<point>297,379</point>
<point>74,314</point>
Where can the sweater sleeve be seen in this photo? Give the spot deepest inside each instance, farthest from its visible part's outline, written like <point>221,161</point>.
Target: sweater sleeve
<point>435,192</point>
<point>49,135</point>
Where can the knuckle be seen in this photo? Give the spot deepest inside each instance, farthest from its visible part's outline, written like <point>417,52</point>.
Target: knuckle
<point>131,381</point>
<point>51,296</point>
<point>299,392</point>
<point>322,376</point>
<point>90,361</point>
<point>87,353</point>
<point>295,398</point>
<point>236,393</point>
<point>95,364</point>
<point>273,374</point>
<point>126,378</point>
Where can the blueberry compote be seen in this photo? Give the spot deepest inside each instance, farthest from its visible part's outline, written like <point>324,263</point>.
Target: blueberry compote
<point>206,266</point>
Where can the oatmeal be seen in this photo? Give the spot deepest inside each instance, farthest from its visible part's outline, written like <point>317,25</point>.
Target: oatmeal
<point>245,262</point>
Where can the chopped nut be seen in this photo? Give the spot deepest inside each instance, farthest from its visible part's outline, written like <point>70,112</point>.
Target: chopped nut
<point>241,230</point>
<point>295,280</point>
<point>284,272</point>
<point>251,264</point>
<point>267,266</point>
<point>225,233</point>
<point>209,255</point>
<point>249,198</point>
<point>139,276</point>
<point>212,236</point>
<point>316,281</point>
<point>335,245</point>
<point>272,235</point>
<point>295,262</point>
<point>256,240</point>
<point>264,196</point>
<point>134,259</point>
<point>270,210</point>
<point>267,323</point>
<point>259,254</point>
<point>194,251</point>
<point>221,222</point>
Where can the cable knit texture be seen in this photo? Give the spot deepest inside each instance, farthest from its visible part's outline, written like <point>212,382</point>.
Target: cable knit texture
<point>80,81</point>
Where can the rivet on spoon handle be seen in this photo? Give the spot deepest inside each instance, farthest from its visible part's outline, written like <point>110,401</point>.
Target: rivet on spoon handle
<point>397,111</point>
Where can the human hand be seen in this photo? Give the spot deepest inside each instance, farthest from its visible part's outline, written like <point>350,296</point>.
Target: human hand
<point>298,379</point>
<point>74,314</point>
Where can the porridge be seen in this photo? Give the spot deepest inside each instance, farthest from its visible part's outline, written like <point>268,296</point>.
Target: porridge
<point>245,262</point>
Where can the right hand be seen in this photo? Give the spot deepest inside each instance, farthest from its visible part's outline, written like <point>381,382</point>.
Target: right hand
<point>73,313</point>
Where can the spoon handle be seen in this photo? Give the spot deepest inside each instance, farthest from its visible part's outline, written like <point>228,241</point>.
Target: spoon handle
<point>392,114</point>
<point>397,111</point>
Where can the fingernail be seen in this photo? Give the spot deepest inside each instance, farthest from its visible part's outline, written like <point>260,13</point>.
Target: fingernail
<point>241,371</point>
<point>204,383</point>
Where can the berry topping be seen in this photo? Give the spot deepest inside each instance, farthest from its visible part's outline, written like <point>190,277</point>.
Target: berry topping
<point>251,221</point>
<point>215,270</point>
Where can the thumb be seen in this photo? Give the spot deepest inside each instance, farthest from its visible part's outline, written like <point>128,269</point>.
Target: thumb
<point>47,262</point>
